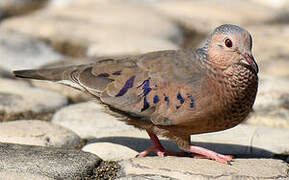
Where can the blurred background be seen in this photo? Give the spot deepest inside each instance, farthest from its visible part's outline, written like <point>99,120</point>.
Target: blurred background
<point>40,33</point>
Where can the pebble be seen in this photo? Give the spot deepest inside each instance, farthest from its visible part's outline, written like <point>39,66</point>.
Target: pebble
<point>19,100</point>
<point>257,141</point>
<point>17,7</point>
<point>110,151</point>
<point>90,120</point>
<point>56,163</point>
<point>40,133</point>
<point>20,51</point>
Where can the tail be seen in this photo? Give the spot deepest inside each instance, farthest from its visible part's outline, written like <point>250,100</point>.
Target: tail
<point>53,74</point>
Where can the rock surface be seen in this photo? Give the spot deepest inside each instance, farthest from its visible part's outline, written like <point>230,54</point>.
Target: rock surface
<point>189,168</point>
<point>204,15</point>
<point>111,28</point>
<point>89,120</point>
<point>110,151</point>
<point>35,132</point>
<point>19,51</point>
<point>250,140</point>
<point>18,99</point>
<point>17,7</point>
<point>271,107</point>
<point>6,175</point>
<point>49,162</point>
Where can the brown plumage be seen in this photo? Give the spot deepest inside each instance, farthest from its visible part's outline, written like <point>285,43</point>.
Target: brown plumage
<point>174,93</point>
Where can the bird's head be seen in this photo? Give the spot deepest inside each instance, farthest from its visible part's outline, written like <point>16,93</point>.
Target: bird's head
<point>230,44</point>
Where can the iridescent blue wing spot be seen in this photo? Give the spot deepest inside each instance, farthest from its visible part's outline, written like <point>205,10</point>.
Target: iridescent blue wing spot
<point>116,73</point>
<point>103,75</point>
<point>180,98</point>
<point>147,91</point>
<point>192,103</point>
<point>167,100</point>
<point>156,99</point>
<point>128,84</point>
<point>146,105</point>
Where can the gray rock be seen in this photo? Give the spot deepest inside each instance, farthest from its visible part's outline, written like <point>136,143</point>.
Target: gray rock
<point>16,7</point>
<point>5,74</point>
<point>91,120</point>
<point>110,151</point>
<point>271,105</point>
<point>35,132</point>
<point>50,162</point>
<point>18,99</point>
<point>204,15</point>
<point>190,168</point>
<point>249,140</point>
<point>133,29</point>
<point>6,175</point>
<point>269,47</point>
<point>19,51</point>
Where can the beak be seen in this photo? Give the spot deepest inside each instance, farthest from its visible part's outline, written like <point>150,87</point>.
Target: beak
<point>249,60</point>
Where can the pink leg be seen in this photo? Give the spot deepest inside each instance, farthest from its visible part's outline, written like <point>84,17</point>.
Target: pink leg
<point>205,153</point>
<point>157,147</point>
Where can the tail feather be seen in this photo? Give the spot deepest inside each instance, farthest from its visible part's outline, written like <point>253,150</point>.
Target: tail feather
<point>37,74</point>
<point>53,74</point>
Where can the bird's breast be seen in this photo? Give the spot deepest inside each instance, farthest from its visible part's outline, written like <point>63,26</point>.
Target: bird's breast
<point>230,97</point>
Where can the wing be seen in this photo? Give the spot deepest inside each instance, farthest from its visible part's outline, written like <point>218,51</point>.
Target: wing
<point>162,86</point>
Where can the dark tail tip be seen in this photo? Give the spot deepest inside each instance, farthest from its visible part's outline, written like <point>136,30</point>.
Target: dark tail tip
<point>31,74</point>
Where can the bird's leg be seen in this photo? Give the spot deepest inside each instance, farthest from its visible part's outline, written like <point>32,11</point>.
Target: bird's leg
<point>157,147</point>
<point>201,152</point>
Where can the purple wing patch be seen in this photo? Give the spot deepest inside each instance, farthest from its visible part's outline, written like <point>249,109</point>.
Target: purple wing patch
<point>103,75</point>
<point>128,84</point>
<point>117,73</point>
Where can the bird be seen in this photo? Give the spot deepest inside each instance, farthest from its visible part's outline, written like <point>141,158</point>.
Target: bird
<point>173,93</point>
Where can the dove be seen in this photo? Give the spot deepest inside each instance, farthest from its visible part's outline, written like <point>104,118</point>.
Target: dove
<point>173,93</point>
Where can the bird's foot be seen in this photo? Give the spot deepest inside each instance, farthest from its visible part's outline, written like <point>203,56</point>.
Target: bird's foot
<point>161,152</point>
<point>208,154</point>
<point>158,148</point>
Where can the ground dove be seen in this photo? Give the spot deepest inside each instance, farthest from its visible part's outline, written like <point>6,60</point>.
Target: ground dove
<point>173,93</point>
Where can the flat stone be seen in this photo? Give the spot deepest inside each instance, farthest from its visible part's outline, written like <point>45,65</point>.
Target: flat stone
<point>190,168</point>
<point>19,100</point>
<point>256,141</point>
<point>5,74</point>
<point>110,151</point>
<point>22,176</point>
<point>35,132</point>
<point>271,107</point>
<point>51,162</point>
<point>19,51</point>
<point>91,120</point>
<point>204,15</point>
<point>268,45</point>
<point>101,28</point>
<point>73,95</point>
<point>17,7</point>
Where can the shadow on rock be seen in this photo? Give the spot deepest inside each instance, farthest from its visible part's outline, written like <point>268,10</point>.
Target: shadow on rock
<point>240,151</point>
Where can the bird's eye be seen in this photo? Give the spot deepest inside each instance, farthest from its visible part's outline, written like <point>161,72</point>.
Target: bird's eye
<point>228,43</point>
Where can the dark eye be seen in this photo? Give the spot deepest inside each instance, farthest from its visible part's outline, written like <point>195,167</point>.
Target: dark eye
<point>228,43</point>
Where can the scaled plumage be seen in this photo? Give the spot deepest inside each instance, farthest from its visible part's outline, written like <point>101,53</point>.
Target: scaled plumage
<point>174,93</point>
